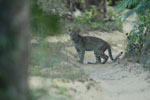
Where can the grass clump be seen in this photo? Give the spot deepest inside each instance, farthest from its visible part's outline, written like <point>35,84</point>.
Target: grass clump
<point>47,94</point>
<point>47,60</point>
<point>138,40</point>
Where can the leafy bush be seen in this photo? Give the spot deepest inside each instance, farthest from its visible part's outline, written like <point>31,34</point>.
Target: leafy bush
<point>139,38</point>
<point>136,40</point>
<point>112,2</point>
<point>137,6</point>
<point>43,23</point>
<point>92,20</point>
<point>88,16</point>
<point>48,60</point>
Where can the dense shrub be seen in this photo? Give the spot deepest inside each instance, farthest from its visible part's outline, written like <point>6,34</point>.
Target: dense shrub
<point>139,38</point>
<point>92,20</point>
<point>138,6</point>
<point>43,23</point>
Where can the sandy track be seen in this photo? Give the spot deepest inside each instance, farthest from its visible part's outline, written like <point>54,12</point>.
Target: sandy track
<point>124,81</point>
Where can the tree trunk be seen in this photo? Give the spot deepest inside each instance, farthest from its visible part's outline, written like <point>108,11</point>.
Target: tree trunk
<point>72,5</point>
<point>14,33</point>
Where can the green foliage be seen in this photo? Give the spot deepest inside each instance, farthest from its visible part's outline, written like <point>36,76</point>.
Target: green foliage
<point>136,40</point>
<point>116,23</point>
<point>139,38</point>
<point>91,20</point>
<point>88,16</point>
<point>43,23</point>
<point>109,2</point>
<point>112,2</point>
<point>139,6</point>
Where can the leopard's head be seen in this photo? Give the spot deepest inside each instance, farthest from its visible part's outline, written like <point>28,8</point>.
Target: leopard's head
<point>73,33</point>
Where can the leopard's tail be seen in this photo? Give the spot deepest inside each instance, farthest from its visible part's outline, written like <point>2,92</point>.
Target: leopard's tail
<point>111,57</point>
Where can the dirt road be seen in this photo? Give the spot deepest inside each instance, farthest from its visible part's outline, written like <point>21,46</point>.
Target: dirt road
<point>124,81</point>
